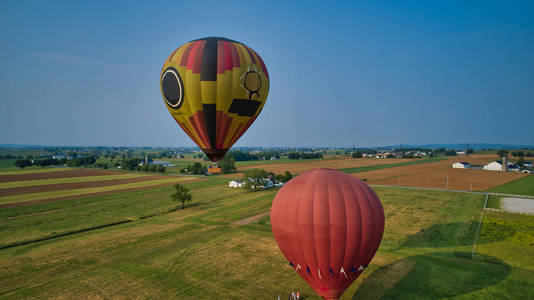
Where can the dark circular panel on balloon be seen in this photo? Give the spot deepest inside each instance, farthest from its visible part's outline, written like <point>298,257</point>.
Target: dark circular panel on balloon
<point>172,88</point>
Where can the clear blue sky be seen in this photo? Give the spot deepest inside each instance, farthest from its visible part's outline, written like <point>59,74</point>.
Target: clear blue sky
<point>342,73</point>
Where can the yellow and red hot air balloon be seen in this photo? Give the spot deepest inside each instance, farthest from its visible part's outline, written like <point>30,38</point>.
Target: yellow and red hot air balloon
<point>214,88</point>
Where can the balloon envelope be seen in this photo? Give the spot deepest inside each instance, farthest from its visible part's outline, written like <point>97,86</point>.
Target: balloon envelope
<point>328,225</point>
<point>214,88</point>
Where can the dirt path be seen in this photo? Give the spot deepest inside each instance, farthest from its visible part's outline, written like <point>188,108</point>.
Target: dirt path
<point>31,202</point>
<point>252,219</point>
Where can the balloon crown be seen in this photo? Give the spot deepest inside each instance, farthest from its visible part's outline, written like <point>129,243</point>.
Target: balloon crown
<point>216,38</point>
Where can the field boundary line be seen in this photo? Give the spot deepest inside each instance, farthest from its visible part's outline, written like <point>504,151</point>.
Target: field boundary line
<point>479,226</point>
<point>72,232</point>
<point>453,191</point>
<point>388,165</point>
<point>51,237</point>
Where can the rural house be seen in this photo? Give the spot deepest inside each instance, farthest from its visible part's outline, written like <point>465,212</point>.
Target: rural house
<point>236,183</point>
<point>461,165</point>
<point>494,166</point>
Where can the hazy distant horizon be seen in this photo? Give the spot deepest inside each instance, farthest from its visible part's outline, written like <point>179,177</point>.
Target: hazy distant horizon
<point>341,73</point>
<point>476,146</point>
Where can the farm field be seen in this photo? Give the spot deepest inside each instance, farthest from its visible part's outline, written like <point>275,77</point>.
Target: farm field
<point>30,170</point>
<point>203,252</point>
<point>434,175</point>
<point>430,172</point>
<point>522,186</point>
<point>304,165</point>
<point>22,187</point>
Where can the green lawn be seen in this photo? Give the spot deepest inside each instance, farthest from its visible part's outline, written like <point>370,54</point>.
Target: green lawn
<point>200,253</point>
<point>30,170</point>
<point>521,186</point>
<point>493,202</point>
<point>392,165</point>
<point>7,163</point>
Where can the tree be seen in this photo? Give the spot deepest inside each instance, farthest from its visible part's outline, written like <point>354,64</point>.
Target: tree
<point>450,152</point>
<point>197,168</point>
<point>357,154</point>
<point>470,151</point>
<point>228,165</point>
<point>255,178</point>
<point>284,177</point>
<point>129,163</point>
<point>22,163</point>
<point>502,153</point>
<point>181,195</point>
<point>160,169</point>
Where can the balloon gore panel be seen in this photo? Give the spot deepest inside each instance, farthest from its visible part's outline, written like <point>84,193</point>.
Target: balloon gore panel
<point>214,88</point>
<point>328,225</point>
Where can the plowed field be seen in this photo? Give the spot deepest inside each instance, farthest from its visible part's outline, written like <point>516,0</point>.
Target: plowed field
<point>55,174</point>
<point>301,167</point>
<point>29,188</point>
<point>435,175</point>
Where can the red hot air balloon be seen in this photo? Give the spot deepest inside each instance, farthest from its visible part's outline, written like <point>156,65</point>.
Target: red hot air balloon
<point>328,225</point>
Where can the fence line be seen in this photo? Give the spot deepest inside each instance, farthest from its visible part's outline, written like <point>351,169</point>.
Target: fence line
<point>454,191</point>
<point>479,226</point>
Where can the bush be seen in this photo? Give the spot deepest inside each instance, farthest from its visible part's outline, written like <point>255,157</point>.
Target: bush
<point>22,163</point>
<point>255,178</point>
<point>357,154</point>
<point>228,165</point>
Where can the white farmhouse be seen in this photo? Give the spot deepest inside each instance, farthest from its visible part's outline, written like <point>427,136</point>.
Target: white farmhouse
<point>494,166</point>
<point>268,183</point>
<point>237,183</point>
<point>461,165</point>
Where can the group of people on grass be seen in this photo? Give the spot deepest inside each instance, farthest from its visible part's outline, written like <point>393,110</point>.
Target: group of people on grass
<point>292,296</point>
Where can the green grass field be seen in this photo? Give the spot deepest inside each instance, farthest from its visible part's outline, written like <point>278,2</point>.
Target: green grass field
<point>201,253</point>
<point>13,171</point>
<point>392,165</point>
<point>494,202</point>
<point>7,163</point>
<point>521,186</point>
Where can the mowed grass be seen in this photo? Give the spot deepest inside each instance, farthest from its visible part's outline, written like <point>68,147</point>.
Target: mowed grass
<point>510,237</point>
<point>521,186</point>
<point>7,163</point>
<point>392,165</point>
<point>75,192</point>
<point>26,223</point>
<point>23,183</point>
<point>201,253</point>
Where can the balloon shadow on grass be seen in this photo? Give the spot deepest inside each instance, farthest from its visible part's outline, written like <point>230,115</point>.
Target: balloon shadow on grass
<point>432,276</point>
<point>456,234</point>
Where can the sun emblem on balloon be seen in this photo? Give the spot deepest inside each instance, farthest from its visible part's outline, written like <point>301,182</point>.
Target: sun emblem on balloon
<point>251,81</point>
